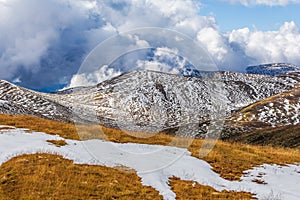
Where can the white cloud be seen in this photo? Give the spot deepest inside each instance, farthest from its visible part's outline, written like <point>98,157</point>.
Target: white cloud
<point>264,2</point>
<point>271,46</point>
<point>31,29</point>
<point>214,42</point>
<point>44,42</point>
<point>164,60</point>
<point>89,79</point>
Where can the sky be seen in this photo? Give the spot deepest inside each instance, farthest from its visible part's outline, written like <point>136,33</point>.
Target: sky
<point>262,17</point>
<point>43,43</point>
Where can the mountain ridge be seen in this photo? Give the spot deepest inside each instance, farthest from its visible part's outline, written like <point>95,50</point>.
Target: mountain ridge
<point>272,69</point>
<point>152,101</point>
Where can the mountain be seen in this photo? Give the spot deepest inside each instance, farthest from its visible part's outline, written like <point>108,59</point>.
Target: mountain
<point>153,101</point>
<point>148,100</point>
<point>271,121</point>
<point>278,110</point>
<point>272,69</point>
<point>17,100</point>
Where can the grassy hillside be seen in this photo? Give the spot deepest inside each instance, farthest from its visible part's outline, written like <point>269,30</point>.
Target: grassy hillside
<point>227,159</point>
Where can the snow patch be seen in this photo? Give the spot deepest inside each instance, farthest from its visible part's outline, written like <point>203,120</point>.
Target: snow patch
<point>155,164</point>
<point>2,102</point>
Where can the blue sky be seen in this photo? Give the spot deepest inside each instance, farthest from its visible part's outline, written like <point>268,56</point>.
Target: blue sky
<point>231,16</point>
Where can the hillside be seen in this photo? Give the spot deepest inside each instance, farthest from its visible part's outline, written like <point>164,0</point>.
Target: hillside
<point>272,121</point>
<point>20,101</point>
<point>232,161</point>
<point>151,100</point>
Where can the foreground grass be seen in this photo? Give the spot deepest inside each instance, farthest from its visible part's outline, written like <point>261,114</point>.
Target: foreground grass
<point>227,159</point>
<point>43,176</point>
<point>196,191</point>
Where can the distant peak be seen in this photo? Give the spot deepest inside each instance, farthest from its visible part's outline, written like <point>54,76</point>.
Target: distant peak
<point>272,69</point>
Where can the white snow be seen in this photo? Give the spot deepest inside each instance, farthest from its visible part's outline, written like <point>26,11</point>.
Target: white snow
<point>2,102</point>
<point>155,164</point>
<point>281,182</point>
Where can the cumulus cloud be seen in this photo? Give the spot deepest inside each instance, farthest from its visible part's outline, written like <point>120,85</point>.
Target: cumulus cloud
<point>41,39</point>
<point>90,79</point>
<point>271,46</point>
<point>44,42</point>
<point>264,2</point>
<point>163,60</point>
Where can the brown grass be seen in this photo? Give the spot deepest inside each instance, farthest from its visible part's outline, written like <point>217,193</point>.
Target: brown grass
<point>228,159</point>
<point>231,159</point>
<point>43,176</point>
<point>58,143</point>
<point>65,130</point>
<point>192,190</point>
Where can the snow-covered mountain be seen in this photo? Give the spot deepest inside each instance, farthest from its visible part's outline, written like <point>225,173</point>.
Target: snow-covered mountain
<point>272,69</point>
<point>153,101</point>
<point>21,101</point>
<point>148,100</point>
<point>279,110</point>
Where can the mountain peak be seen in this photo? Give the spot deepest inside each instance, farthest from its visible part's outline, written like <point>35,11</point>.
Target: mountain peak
<point>272,69</point>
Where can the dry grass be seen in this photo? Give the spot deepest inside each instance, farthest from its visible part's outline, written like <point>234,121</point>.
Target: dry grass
<point>65,130</point>
<point>227,159</point>
<point>119,136</point>
<point>58,143</point>
<point>192,190</point>
<point>231,159</point>
<point>284,136</point>
<point>43,176</point>
<point>82,132</point>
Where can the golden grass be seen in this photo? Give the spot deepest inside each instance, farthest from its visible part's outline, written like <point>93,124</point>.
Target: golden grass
<point>58,143</point>
<point>65,130</point>
<point>43,176</point>
<point>231,159</point>
<point>192,190</point>
<point>119,136</point>
<point>228,159</point>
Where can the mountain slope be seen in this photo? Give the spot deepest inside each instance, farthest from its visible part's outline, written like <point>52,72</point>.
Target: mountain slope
<point>18,100</point>
<point>152,101</point>
<point>272,121</point>
<point>147,100</point>
<point>278,110</point>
